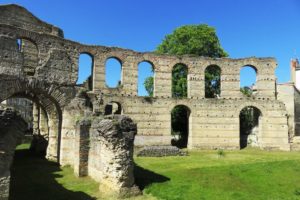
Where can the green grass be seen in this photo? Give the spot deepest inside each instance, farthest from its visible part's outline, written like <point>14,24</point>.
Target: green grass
<point>249,174</point>
<point>36,178</point>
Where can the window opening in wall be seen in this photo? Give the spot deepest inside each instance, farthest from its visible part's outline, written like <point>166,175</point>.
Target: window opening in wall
<point>113,70</point>
<point>179,81</point>
<point>145,79</point>
<point>248,80</point>
<point>212,81</point>
<point>85,68</point>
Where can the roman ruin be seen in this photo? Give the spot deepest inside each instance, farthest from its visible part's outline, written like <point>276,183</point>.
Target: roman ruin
<point>93,127</point>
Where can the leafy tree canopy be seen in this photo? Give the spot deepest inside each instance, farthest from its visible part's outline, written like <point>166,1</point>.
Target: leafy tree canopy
<point>198,40</point>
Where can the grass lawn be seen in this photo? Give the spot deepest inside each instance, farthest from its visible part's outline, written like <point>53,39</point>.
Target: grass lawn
<point>246,174</point>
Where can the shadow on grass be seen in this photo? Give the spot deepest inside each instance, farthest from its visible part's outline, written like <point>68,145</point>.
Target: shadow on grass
<point>33,177</point>
<point>144,177</point>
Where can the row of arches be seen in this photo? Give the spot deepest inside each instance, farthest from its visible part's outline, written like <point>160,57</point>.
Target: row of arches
<point>113,77</point>
<point>113,73</point>
<point>249,123</point>
<point>146,71</point>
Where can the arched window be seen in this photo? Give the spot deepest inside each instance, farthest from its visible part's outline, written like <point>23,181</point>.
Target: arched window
<point>30,55</point>
<point>212,81</point>
<point>248,80</point>
<point>179,81</point>
<point>85,70</point>
<point>180,126</point>
<point>113,70</point>
<point>113,108</point>
<point>145,79</point>
<point>249,126</point>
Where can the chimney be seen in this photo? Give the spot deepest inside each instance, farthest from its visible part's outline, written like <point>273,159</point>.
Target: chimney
<point>293,65</point>
<point>295,73</point>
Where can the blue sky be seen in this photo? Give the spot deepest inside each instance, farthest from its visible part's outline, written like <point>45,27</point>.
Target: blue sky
<point>260,28</point>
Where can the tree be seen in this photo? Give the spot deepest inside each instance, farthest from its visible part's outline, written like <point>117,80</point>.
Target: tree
<point>199,40</point>
<point>148,83</point>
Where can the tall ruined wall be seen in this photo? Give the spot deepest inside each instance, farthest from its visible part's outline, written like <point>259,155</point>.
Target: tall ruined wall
<point>12,128</point>
<point>213,122</point>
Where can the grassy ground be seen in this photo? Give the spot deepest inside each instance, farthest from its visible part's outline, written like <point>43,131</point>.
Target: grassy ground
<point>36,178</point>
<point>247,174</point>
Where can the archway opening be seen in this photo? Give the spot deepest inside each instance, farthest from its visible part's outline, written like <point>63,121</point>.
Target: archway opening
<point>30,55</point>
<point>250,118</point>
<point>248,80</point>
<point>113,108</point>
<point>179,81</point>
<point>85,70</point>
<point>24,108</point>
<point>212,81</point>
<point>180,126</point>
<point>145,79</point>
<point>113,71</point>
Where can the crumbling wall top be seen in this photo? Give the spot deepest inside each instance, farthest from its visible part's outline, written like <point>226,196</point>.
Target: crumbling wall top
<point>18,16</point>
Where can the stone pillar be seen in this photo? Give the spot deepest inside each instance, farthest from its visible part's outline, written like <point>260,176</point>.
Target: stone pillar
<point>52,153</point>
<point>81,148</point>
<point>129,76</point>
<point>111,151</point>
<point>43,125</point>
<point>71,114</point>
<point>98,73</point>
<point>36,119</point>
<point>162,84</point>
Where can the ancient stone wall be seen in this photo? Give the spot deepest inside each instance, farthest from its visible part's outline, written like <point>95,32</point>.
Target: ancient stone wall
<point>58,64</point>
<point>12,128</point>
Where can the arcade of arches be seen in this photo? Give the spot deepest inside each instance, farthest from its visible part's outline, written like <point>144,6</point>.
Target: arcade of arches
<point>37,63</point>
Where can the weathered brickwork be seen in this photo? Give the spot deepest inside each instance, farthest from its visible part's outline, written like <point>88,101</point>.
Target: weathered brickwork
<point>12,128</point>
<point>37,63</point>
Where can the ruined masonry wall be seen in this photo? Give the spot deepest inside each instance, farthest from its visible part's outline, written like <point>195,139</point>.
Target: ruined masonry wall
<point>12,128</point>
<point>214,123</point>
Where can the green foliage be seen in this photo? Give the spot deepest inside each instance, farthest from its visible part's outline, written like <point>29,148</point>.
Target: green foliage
<point>179,81</point>
<point>221,153</point>
<point>149,85</point>
<point>200,40</point>
<point>247,91</point>
<point>212,81</point>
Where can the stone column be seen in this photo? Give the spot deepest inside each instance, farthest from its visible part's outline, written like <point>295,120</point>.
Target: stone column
<point>43,125</point>
<point>67,138</point>
<point>81,148</point>
<point>52,153</point>
<point>112,164</point>
<point>36,119</point>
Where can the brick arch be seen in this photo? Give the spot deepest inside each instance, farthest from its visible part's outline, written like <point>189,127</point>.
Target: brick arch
<point>252,104</point>
<point>13,86</point>
<point>173,105</point>
<point>50,97</point>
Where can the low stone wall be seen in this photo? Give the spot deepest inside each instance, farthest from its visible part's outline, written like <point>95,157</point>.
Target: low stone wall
<point>160,151</point>
<point>12,128</point>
